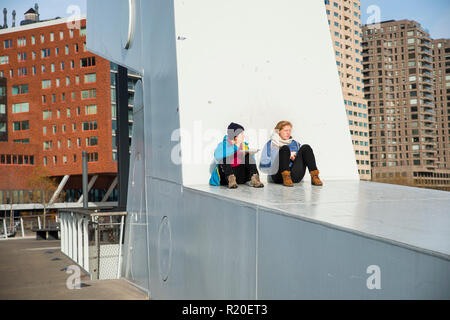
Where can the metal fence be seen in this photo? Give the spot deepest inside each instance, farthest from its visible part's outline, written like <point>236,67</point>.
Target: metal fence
<point>22,226</point>
<point>94,241</point>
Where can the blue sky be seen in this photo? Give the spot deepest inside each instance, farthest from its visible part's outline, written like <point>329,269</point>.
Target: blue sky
<point>47,8</point>
<point>433,15</point>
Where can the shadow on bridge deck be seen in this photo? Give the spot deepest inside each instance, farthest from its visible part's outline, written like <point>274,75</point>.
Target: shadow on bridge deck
<point>31,269</point>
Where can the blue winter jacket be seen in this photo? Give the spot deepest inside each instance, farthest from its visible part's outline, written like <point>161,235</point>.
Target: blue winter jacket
<point>269,160</point>
<point>224,149</point>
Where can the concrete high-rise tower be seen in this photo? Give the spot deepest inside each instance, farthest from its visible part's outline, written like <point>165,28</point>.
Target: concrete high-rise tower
<point>344,19</point>
<point>441,50</point>
<point>399,87</point>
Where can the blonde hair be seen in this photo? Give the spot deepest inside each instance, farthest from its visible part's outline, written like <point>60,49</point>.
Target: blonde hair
<point>280,125</point>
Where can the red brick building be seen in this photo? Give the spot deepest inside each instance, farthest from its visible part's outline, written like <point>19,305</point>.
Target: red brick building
<point>55,102</point>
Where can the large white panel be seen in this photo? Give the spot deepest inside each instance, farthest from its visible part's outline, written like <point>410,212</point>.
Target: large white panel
<point>257,62</point>
<point>160,89</point>
<point>110,23</point>
<point>135,262</point>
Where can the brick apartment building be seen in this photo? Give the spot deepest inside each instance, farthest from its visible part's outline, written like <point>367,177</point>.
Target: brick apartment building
<point>344,19</point>
<point>55,102</point>
<point>442,98</point>
<point>406,89</point>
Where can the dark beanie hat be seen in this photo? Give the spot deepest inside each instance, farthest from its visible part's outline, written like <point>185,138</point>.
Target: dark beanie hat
<point>234,130</point>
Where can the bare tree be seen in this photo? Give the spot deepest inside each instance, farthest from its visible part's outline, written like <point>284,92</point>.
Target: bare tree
<point>41,183</point>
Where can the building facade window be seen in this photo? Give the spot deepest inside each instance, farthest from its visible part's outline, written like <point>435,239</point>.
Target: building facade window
<point>21,125</point>
<point>90,77</point>
<point>4,59</point>
<point>21,56</point>
<point>46,114</point>
<point>88,94</point>
<point>19,89</point>
<point>20,107</point>
<point>22,72</point>
<point>7,44</point>
<point>46,84</point>
<point>45,53</point>
<point>91,141</point>
<point>91,109</point>
<point>90,125</point>
<point>87,62</point>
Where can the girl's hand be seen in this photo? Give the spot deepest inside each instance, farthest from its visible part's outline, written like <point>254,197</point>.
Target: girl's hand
<point>293,155</point>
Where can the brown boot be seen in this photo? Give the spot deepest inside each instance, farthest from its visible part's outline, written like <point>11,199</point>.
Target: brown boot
<point>255,182</point>
<point>287,181</point>
<point>315,180</point>
<point>232,182</point>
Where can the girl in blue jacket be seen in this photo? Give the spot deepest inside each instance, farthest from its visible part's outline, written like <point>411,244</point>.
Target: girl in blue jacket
<point>235,165</point>
<point>285,160</point>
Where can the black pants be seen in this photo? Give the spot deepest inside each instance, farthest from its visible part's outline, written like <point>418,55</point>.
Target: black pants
<point>243,172</point>
<point>305,158</point>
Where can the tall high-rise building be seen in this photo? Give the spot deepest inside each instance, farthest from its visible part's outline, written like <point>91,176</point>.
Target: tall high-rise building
<point>132,79</point>
<point>441,49</point>
<point>55,102</point>
<point>344,19</point>
<point>399,88</point>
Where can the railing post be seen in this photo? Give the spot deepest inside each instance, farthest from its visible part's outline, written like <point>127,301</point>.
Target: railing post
<point>97,236</point>
<point>86,244</point>
<point>4,228</point>
<point>69,227</point>
<point>66,233</point>
<point>21,227</point>
<point>63,232</point>
<point>74,238</point>
<point>61,227</point>
<point>80,240</point>
<point>119,264</point>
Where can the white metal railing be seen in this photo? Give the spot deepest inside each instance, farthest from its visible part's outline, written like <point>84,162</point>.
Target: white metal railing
<point>21,226</point>
<point>93,240</point>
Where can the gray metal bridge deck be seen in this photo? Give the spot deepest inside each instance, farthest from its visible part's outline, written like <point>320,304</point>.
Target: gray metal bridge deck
<point>415,218</point>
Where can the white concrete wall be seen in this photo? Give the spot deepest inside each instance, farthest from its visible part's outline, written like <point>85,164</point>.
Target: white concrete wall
<point>254,62</point>
<point>257,62</point>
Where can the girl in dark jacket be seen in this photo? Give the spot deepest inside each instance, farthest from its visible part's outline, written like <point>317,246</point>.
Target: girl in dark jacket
<point>235,163</point>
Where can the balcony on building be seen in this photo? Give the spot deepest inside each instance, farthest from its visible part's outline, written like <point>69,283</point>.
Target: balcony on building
<point>428,110</point>
<point>427,58</point>
<point>426,42</point>
<point>431,133</point>
<point>427,87</point>
<point>425,65</point>
<point>424,50</point>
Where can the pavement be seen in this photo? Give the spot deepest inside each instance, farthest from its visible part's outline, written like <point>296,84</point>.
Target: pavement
<point>32,269</point>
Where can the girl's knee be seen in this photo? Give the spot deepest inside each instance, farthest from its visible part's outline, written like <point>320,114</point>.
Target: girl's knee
<point>305,146</point>
<point>285,149</point>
